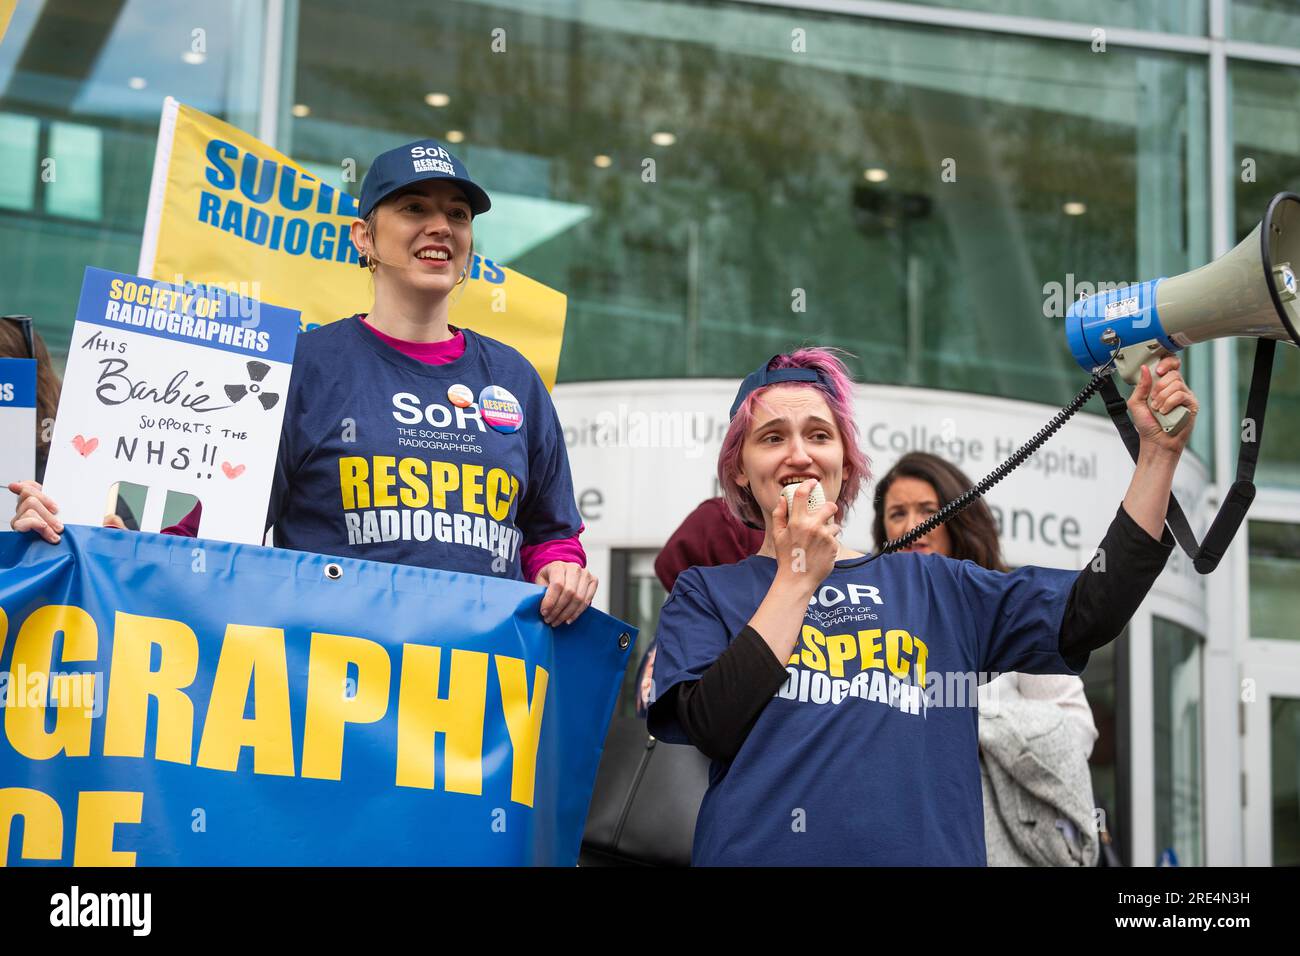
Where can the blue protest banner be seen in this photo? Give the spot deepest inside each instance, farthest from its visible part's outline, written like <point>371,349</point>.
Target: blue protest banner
<point>179,701</point>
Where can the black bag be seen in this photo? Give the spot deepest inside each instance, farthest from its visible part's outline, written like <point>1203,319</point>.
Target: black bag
<point>646,799</point>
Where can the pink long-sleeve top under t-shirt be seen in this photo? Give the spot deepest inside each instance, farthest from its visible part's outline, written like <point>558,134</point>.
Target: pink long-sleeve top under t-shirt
<point>532,557</point>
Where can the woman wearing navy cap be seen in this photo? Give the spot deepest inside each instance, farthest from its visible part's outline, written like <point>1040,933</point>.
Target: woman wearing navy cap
<point>406,439</point>
<point>836,695</point>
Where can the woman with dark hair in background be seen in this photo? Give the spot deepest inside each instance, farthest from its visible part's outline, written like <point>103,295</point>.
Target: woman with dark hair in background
<point>1044,715</point>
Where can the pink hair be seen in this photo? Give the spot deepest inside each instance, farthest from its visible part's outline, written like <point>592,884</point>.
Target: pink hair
<point>740,501</point>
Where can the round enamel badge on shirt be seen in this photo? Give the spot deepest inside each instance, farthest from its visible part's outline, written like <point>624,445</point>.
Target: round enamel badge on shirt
<point>500,409</point>
<point>460,396</point>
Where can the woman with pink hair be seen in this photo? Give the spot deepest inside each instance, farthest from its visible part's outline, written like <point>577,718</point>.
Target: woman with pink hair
<point>835,693</point>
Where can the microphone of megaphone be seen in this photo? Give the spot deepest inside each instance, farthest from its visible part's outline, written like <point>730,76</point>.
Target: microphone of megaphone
<point>1250,292</point>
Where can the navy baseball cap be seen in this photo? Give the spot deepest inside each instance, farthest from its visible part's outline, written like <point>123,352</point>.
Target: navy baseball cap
<point>763,376</point>
<point>414,163</point>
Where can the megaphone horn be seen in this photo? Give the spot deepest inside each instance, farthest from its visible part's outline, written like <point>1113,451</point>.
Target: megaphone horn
<point>1250,292</point>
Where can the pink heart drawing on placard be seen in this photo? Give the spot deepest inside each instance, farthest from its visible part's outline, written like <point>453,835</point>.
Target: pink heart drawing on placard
<point>85,446</point>
<point>232,471</point>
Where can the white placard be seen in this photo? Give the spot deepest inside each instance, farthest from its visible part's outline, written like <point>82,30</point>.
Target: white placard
<point>17,428</point>
<point>179,389</point>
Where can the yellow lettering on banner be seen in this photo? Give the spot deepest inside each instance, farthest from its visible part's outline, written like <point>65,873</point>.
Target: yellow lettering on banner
<point>471,490</point>
<point>330,708</point>
<point>498,493</point>
<point>33,650</point>
<point>839,648</point>
<point>898,667</point>
<point>422,714</point>
<point>869,642</point>
<point>115,289</point>
<point>133,683</point>
<point>523,722</point>
<point>353,474</point>
<point>42,824</point>
<point>252,658</point>
<point>383,470</point>
<point>444,477</point>
<point>811,656</point>
<point>416,492</point>
<point>98,812</point>
<point>921,653</point>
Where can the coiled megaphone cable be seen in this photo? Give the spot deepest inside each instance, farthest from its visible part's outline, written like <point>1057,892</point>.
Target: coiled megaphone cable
<point>967,498</point>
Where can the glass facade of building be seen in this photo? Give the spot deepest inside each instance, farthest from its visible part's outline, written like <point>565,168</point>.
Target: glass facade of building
<point>81,89</point>
<point>901,192</point>
<point>925,185</point>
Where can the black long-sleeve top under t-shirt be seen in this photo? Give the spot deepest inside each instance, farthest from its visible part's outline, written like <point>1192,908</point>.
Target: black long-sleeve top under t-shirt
<point>718,710</point>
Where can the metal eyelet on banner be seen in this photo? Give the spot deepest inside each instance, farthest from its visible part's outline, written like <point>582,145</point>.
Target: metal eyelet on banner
<point>333,571</point>
<point>624,640</point>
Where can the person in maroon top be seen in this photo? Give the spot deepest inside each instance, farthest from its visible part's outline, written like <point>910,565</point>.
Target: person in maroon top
<point>710,535</point>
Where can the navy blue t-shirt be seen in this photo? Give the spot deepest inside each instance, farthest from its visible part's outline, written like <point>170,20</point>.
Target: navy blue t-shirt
<point>387,458</point>
<point>868,755</point>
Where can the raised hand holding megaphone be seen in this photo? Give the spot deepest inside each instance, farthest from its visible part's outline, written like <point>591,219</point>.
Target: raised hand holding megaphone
<point>1250,292</point>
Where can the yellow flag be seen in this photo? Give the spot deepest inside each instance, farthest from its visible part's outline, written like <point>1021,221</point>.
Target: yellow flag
<point>226,209</point>
<point>7,8</point>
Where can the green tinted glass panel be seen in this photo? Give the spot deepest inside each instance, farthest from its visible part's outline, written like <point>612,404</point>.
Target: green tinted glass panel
<point>1276,22</point>
<point>1274,580</point>
<point>86,82</point>
<point>76,189</point>
<point>1284,744</point>
<point>711,183</point>
<point>1177,735</point>
<point>1167,16</point>
<point>1266,143</point>
<point>18,150</point>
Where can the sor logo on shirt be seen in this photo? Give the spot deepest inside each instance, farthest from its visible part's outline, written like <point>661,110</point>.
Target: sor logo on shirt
<point>830,596</point>
<point>408,410</point>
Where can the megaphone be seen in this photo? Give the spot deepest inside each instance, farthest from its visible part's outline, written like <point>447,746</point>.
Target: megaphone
<point>1251,292</point>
